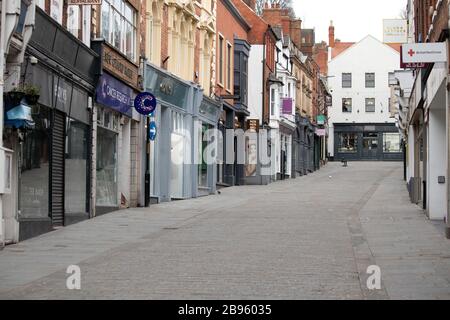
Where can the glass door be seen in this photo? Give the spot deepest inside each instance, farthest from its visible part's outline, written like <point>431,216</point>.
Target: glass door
<point>370,146</point>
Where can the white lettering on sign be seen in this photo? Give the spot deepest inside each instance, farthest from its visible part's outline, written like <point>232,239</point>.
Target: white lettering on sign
<point>113,93</point>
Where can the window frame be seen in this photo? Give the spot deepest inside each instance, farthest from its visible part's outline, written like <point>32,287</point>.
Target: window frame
<point>384,142</point>
<point>370,83</point>
<point>229,65</point>
<point>124,24</point>
<point>351,105</point>
<point>366,104</point>
<point>220,78</point>
<point>346,83</point>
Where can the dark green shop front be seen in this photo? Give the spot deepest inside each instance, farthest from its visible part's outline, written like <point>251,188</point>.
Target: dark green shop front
<point>367,142</point>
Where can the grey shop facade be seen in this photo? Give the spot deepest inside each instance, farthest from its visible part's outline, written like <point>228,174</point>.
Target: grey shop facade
<point>183,116</point>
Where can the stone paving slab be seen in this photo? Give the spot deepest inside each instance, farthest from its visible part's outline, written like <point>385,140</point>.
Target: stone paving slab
<point>306,238</point>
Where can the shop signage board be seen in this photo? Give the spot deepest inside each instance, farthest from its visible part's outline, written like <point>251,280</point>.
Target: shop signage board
<point>114,94</point>
<point>421,53</point>
<point>85,2</point>
<point>395,31</point>
<point>253,125</point>
<point>321,119</point>
<point>321,132</point>
<point>329,101</point>
<point>286,104</point>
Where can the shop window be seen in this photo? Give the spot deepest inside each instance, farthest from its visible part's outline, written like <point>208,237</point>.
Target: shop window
<point>76,167</point>
<point>202,166</point>
<point>347,105</point>
<point>370,80</point>
<point>370,104</point>
<point>348,143</point>
<point>177,144</point>
<point>391,142</point>
<point>346,80</point>
<point>119,26</point>
<point>34,179</point>
<point>106,190</point>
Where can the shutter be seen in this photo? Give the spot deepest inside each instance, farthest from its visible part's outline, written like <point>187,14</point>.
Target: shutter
<point>57,168</point>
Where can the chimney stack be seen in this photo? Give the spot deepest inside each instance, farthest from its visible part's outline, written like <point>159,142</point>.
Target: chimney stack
<point>296,32</point>
<point>331,41</point>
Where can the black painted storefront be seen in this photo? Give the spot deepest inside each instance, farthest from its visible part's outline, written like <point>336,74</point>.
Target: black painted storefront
<point>58,147</point>
<point>303,149</point>
<point>364,142</point>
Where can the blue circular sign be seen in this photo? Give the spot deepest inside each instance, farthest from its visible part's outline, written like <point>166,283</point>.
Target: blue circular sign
<point>152,131</point>
<point>145,103</point>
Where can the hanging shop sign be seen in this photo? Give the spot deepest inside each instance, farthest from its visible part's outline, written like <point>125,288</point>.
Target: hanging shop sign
<point>152,131</point>
<point>85,2</point>
<point>321,132</point>
<point>145,103</point>
<point>253,125</point>
<point>424,52</point>
<point>321,119</point>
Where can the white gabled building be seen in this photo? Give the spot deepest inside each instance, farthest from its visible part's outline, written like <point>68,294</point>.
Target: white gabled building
<point>361,125</point>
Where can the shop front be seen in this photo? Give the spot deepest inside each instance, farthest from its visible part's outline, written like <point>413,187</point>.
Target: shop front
<point>116,159</point>
<point>373,142</point>
<point>303,137</point>
<point>51,167</point>
<point>174,172</point>
<point>206,118</point>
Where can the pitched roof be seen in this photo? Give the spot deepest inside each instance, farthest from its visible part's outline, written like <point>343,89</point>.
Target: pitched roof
<point>340,47</point>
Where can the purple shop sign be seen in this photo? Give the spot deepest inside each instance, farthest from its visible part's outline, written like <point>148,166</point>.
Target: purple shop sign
<point>287,105</point>
<point>115,94</point>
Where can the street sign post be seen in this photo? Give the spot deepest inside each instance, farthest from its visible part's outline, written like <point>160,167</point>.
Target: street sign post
<point>152,131</point>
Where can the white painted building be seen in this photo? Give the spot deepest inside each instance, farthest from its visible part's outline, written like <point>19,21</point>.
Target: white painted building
<point>282,109</point>
<point>361,126</point>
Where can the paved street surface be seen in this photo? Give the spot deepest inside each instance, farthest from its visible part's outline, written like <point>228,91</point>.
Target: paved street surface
<point>308,238</point>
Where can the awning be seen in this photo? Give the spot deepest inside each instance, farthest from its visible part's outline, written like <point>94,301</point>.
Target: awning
<point>19,117</point>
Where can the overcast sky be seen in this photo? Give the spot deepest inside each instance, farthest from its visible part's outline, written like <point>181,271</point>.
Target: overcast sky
<point>352,19</point>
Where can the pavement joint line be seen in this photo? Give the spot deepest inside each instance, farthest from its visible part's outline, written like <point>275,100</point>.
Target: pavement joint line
<point>359,240</point>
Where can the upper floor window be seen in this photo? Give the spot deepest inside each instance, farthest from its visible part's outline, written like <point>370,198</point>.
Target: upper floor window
<point>229,53</point>
<point>370,80</point>
<point>370,104</point>
<point>119,26</point>
<point>273,103</point>
<point>221,41</point>
<point>346,80</point>
<point>241,71</point>
<point>346,104</point>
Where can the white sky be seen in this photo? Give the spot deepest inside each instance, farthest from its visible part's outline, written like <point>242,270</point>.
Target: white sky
<point>352,19</point>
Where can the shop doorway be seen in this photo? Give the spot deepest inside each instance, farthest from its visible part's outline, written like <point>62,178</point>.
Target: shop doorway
<point>370,146</point>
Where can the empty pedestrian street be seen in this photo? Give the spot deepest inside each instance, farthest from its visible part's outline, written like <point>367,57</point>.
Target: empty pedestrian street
<point>307,238</point>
